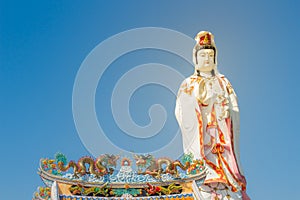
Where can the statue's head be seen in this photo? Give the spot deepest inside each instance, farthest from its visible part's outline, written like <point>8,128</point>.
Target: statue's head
<point>205,52</point>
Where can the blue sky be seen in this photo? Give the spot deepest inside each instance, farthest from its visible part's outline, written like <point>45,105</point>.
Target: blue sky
<point>42,46</point>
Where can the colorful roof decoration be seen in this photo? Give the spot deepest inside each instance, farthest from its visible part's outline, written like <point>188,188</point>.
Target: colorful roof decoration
<point>113,176</point>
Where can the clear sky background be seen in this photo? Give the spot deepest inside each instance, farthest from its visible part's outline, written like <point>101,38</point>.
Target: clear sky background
<point>43,43</point>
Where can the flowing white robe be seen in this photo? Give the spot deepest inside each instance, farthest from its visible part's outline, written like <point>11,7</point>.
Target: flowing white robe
<point>208,115</point>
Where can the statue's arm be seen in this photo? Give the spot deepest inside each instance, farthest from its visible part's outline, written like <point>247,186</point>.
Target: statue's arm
<point>235,119</point>
<point>178,106</point>
<point>185,107</point>
<point>232,96</point>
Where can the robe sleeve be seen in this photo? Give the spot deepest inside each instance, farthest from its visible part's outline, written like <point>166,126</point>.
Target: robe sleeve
<point>235,120</point>
<point>185,112</point>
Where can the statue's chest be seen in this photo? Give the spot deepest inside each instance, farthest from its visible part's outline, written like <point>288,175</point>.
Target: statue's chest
<point>208,88</point>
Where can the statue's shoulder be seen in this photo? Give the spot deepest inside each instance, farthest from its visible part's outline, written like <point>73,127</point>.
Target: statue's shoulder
<point>228,85</point>
<point>188,80</point>
<point>187,86</point>
<point>193,79</point>
<point>223,78</point>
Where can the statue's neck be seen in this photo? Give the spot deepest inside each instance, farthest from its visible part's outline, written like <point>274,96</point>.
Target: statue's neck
<point>205,74</point>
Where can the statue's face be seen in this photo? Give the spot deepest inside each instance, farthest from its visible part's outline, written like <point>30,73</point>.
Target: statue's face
<point>205,58</point>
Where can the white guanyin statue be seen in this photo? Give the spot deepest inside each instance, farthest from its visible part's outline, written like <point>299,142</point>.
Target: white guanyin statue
<point>208,115</point>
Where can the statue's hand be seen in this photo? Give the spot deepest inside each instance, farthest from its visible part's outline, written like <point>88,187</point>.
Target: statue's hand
<point>225,114</point>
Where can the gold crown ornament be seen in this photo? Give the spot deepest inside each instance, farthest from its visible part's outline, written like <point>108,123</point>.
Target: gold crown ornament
<point>204,38</point>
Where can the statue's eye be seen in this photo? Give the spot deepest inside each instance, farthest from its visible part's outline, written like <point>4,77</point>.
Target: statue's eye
<point>202,55</point>
<point>211,55</point>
